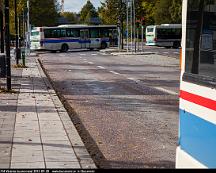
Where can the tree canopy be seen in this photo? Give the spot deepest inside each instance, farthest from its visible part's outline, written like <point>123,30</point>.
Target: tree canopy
<point>153,11</point>
<point>70,16</point>
<point>43,12</point>
<point>46,12</point>
<point>87,13</point>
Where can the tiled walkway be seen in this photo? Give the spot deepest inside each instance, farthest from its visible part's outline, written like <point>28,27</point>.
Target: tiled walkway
<point>44,136</point>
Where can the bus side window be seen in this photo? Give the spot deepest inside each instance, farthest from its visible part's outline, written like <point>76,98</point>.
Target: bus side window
<point>200,41</point>
<point>104,32</point>
<point>63,33</point>
<point>75,32</point>
<point>94,33</point>
<point>47,33</point>
<point>56,33</point>
<point>69,32</point>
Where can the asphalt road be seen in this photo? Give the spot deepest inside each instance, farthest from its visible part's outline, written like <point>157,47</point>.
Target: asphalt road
<point>173,53</point>
<point>126,106</point>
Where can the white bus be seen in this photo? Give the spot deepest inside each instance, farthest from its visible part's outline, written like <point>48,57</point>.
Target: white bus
<point>65,37</point>
<point>165,35</point>
<point>197,110</point>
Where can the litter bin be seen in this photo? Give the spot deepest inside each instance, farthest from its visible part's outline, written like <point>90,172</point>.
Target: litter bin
<point>2,66</point>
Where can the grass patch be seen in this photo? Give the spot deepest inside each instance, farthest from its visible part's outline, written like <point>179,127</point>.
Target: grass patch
<point>19,66</point>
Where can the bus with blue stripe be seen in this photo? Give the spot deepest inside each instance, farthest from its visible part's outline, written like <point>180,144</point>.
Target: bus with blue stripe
<point>197,124</point>
<point>68,37</point>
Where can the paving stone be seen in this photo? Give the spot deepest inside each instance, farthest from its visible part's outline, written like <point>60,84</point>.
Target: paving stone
<point>62,165</point>
<point>27,165</point>
<point>40,115</point>
<point>87,164</point>
<point>4,165</point>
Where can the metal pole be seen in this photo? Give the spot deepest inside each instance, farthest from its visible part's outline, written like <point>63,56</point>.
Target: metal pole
<point>28,30</point>
<point>131,26</point>
<point>134,14</point>
<point>127,29</point>
<point>24,26</point>
<point>7,41</point>
<point>122,25</point>
<point>17,36</point>
<point>2,30</point>
<point>119,38</point>
<point>19,30</point>
<point>138,39</point>
<point>142,37</point>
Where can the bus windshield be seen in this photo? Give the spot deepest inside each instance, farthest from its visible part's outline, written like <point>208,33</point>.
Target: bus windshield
<point>34,33</point>
<point>150,30</point>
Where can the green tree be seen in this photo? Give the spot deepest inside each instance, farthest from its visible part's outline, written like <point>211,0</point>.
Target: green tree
<point>161,13</point>
<point>168,11</point>
<point>88,12</point>
<point>148,10</point>
<point>176,11</point>
<point>43,12</point>
<point>70,16</point>
<point>20,8</point>
<point>109,11</point>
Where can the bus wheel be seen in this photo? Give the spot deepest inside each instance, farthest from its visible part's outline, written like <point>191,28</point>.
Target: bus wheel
<point>176,45</point>
<point>103,45</point>
<point>64,48</point>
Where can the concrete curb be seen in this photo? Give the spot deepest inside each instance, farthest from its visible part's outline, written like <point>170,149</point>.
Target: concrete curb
<point>80,150</point>
<point>86,137</point>
<point>132,53</point>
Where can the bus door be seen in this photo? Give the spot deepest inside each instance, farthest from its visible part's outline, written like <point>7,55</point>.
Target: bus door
<point>84,38</point>
<point>197,130</point>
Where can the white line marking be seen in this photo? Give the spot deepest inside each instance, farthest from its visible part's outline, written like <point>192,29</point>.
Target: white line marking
<point>94,54</point>
<point>166,91</point>
<point>85,59</point>
<point>113,72</point>
<point>82,54</point>
<point>176,53</point>
<point>90,62</point>
<point>80,57</point>
<point>166,52</point>
<point>101,67</point>
<point>135,80</point>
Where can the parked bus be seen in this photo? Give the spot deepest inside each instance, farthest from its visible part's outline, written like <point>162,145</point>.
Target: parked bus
<point>197,131</point>
<point>165,35</point>
<point>65,37</point>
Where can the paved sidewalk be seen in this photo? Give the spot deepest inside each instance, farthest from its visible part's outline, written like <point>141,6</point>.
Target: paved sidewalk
<point>42,133</point>
<point>116,52</point>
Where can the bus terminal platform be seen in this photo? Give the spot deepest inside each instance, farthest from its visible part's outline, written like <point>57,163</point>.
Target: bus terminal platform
<point>36,131</point>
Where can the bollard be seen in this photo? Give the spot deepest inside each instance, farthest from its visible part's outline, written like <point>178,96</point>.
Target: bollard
<point>23,56</point>
<point>2,66</point>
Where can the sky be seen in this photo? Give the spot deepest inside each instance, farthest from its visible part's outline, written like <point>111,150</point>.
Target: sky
<point>76,5</point>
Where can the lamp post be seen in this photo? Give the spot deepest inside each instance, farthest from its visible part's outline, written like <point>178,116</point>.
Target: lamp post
<point>7,41</point>
<point>17,35</point>
<point>2,27</point>
<point>134,22</point>
<point>28,30</point>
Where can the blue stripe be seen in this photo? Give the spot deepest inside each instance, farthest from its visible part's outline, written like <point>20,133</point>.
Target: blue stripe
<point>198,138</point>
<point>67,41</point>
<point>71,41</point>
